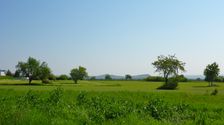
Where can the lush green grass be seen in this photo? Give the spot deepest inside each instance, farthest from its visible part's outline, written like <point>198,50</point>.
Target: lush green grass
<point>109,102</point>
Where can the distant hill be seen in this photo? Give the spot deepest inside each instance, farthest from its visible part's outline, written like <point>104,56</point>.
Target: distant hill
<point>140,77</point>
<point>117,77</point>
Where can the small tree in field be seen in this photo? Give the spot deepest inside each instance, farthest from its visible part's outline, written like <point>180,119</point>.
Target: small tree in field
<point>44,72</point>
<point>211,72</point>
<point>128,77</point>
<point>78,74</point>
<point>108,77</point>
<point>168,66</point>
<point>29,69</point>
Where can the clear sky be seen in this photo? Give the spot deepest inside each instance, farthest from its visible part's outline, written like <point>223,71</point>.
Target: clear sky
<point>111,36</point>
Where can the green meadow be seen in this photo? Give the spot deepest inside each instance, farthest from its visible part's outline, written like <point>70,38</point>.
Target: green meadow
<point>109,102</point>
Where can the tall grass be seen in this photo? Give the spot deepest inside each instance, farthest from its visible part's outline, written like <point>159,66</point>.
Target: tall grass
<point>59,107</point>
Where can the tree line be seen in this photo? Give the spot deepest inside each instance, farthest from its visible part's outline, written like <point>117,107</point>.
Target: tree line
<point>168,66</point>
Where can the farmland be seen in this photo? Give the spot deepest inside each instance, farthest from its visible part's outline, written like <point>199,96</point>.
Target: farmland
<point>109,102</point>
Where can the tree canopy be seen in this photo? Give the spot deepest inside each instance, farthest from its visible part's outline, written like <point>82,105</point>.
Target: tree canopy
<point>168,66</point>
<point>78,74</point>
<point>33,69</point>
<point>211,72</point>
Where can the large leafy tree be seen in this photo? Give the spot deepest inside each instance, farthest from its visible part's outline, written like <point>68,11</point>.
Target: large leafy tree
<point>211,72</point>
<point>29,69</point>
<point>78,74</point>
<point>168,66</point>
<point>128,77</point>
<point>33,69</point>
<point>44,72</point>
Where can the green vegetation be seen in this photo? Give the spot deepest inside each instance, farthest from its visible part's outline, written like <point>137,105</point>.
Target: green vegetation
<point>109,102</point>
<point>211,73</point>
<point>128,77</point>
<point>169,66</point>
<point>33,69</point>
<point>108,77</point>
<point>78,74</point>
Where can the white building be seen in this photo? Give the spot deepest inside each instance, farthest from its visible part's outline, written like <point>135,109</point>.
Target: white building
<point>2,73</point>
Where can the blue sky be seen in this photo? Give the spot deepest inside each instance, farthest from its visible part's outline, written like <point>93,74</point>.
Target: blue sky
<point>111,36</point>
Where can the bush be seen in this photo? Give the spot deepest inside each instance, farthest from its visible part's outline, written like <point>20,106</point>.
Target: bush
<point>62,77</point>
<point>171,84</point>
<point>52,77</point>
<point>46,81</point>
<point>181,78</point>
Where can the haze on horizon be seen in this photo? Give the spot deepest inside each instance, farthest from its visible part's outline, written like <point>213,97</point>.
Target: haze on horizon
<point>117,37</point>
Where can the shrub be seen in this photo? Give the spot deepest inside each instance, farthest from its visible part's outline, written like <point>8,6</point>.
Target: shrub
<point>46,81</point>
<point>182,78</point>
<point>62,77</point>
<point>171,84</point>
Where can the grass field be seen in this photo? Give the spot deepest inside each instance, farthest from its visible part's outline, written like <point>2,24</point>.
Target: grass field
<point>109,102</point>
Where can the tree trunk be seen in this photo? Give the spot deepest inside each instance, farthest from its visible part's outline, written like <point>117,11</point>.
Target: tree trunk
<point>76,81</point>
<point>166,79</point>
<point>30,80</point>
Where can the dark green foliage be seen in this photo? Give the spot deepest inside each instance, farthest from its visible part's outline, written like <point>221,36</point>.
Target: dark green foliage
<point>29,69</point>
<point>52,77</point>
<point>155,79</point>
<point>211,73</point>
<point>63,77</point>
<point>181,78</point>
<point>171,84</point>
<point>128,77</point>
<point>17,74</point>
<point>34,70</point>
<point>219,79</point>
<point>78,74</point>
<point>44,72</point>
<point>108,77</point>
<point>168,66</point>
<point>9,73</point>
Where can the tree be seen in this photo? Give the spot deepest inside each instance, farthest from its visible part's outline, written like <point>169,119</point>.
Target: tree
<point>78,74</point>
<point>29,69</point>
<point>44,72</point>
<point>62,77</point>
<point>128,77</point>
<point>9,73</point>
<point>52,77</point>
<point>168,66</point>
<point>108,77</point>
<point>17,74</point>
<point>33,69</point>
<point>211,72</point>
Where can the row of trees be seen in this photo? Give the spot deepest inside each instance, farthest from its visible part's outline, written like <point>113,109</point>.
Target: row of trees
<point>34,69</point>
<point>168,66</point>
